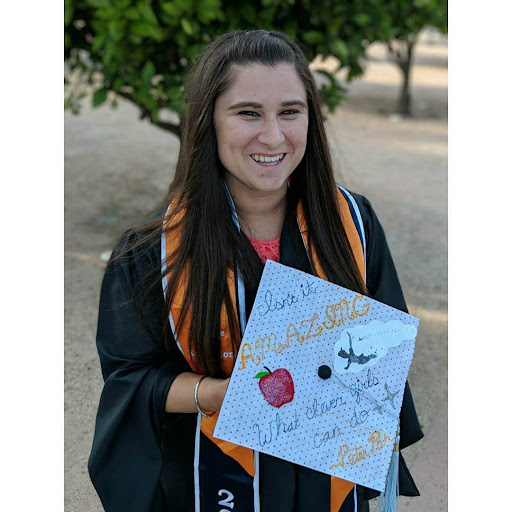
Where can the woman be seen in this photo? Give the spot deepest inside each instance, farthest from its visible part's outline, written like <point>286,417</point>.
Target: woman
<point>254,180</point>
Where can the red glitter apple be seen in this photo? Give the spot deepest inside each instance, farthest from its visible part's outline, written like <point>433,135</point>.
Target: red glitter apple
<point>276,386</point>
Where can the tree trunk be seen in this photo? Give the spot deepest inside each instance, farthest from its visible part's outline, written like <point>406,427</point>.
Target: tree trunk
<point>404,101</point>
<point>403,59</point>
<point>403,106</point>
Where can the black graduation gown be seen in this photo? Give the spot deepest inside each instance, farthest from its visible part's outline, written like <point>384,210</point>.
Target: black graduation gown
<point>142,457</point>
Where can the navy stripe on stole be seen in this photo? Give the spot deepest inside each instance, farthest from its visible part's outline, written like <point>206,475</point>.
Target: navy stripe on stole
<point>223,483</point>
<point>354,217</point>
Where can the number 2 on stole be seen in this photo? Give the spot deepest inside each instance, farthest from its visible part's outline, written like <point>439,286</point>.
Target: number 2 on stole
<point>227,501</point>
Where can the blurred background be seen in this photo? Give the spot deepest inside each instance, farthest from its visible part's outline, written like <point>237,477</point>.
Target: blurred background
<point>381,69</point>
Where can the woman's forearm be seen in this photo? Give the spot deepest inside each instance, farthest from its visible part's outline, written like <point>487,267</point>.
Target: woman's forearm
<point>181,394</point>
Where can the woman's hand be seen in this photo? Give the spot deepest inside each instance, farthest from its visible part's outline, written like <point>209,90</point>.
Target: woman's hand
<point>210,394</point>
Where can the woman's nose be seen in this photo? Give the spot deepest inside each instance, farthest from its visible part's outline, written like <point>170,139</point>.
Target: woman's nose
<point>271,134</point>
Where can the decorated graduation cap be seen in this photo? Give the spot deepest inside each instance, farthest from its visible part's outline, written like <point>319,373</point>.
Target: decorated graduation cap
<point>319,380</point>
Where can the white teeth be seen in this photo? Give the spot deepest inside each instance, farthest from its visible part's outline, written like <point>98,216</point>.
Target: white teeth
<point>261,158</point>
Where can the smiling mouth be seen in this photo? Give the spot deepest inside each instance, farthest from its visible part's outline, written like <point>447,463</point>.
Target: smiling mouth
<point>268,161</point>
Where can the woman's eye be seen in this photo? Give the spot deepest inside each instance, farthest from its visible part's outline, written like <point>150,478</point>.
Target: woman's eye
<point>249,113</point>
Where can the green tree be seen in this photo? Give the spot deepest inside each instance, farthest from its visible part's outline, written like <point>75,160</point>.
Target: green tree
<point>142,49</point>
<point>405,20</point>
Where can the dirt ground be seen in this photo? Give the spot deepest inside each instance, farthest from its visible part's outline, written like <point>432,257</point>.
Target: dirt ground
<point>117,168</point>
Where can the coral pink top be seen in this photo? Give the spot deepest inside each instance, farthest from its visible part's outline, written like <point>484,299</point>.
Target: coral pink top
<point>267,250</point>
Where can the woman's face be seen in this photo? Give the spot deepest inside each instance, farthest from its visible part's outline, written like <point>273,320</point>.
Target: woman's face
<point>262,116</point>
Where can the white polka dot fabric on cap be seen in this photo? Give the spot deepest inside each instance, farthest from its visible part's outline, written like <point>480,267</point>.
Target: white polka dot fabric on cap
<point>277,403</point>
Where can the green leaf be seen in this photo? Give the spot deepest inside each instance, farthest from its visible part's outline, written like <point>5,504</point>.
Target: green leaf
<point>118,83</point>
<point>147,13</point>
<point>98,3</point>
<point>107,14</point>
<point>313,37</point>
<point>174,93</point>
<point>122,4</point>
<point>132,14</point>
<point>98,41</point>
<point>99,97</point>
<point>116,29</point>
<point>187,27</point>
<point>362,19</point>
<point>192,52</point>
<point>208,10</point>
<point>181,39</point>
<point>185,5</point>
<point>290,28</point>
<point>97,25</point>
<point>421,3</point>
<point>340,49</point>
<point>172,9</point>
<point>108,54</point>
<point>179,106</point>
<point>146,29</point>
<point>148,72</point>
<point>261,374</point>
<point>150,102</point>
<point>209,4</point>
<point>135,39</point>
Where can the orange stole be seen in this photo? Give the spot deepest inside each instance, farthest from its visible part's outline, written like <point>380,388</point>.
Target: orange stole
<point>244,456</point>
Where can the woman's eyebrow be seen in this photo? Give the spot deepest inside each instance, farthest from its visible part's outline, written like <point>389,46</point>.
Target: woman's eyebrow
<point>293,102</point>
<point>258,105</point>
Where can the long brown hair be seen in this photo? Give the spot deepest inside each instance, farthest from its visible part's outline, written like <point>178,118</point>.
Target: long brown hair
<point>210,243</point>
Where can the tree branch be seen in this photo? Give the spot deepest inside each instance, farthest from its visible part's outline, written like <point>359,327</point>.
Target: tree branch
<point>394,54</point>
<point>173,128</point>
<point>164,125</point>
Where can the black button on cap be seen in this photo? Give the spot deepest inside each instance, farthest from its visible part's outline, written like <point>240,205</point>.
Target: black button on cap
<point>324,372</point>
